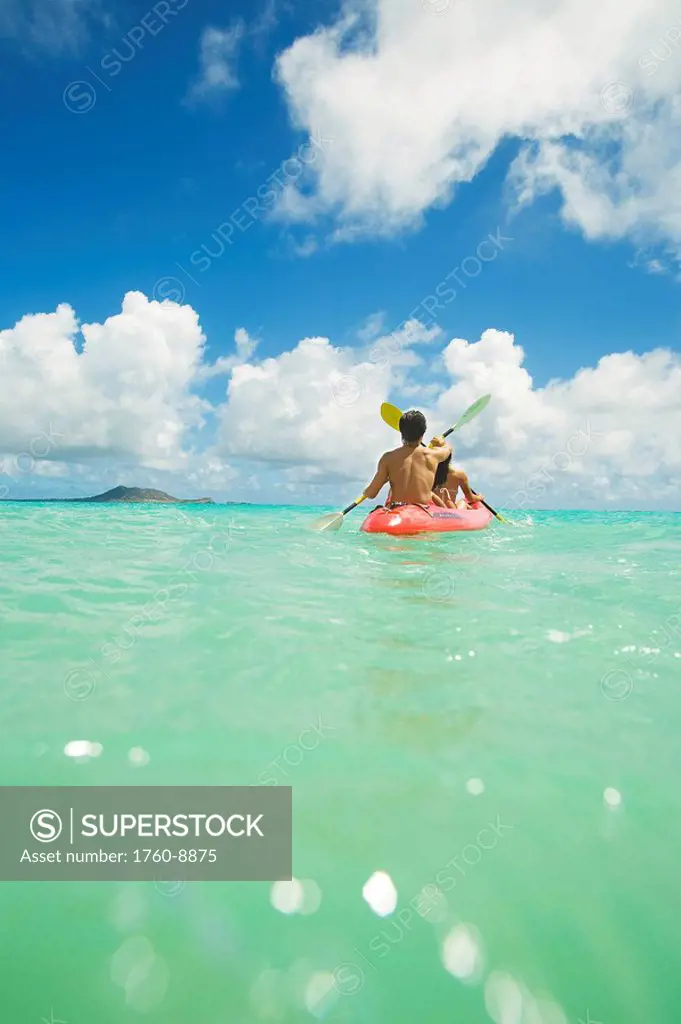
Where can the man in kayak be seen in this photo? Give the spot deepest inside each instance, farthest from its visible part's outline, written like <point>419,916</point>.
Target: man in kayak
<point>410,469</point>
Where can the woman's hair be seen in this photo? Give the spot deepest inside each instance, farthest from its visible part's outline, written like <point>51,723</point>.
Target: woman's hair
<point>441,473</point>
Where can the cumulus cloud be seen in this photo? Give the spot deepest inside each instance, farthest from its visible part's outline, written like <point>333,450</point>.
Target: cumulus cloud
<point>315,405</point>
<point>120,388</point>
<point>219,51</point>
<point>605,436</point>
<point>93,400</point>
<point>417,103</point>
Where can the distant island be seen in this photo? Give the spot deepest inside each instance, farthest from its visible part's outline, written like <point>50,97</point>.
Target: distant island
<point>125,494</point>
<point>143,494</point>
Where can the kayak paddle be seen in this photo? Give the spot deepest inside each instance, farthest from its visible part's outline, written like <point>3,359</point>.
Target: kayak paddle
<point>392,416</point>
<point>334,520</point>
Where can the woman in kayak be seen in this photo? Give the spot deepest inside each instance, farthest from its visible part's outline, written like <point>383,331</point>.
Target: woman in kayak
<point>446,486</point>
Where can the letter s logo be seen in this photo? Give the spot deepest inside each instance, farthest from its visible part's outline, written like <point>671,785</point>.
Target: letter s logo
<point>45,826</point>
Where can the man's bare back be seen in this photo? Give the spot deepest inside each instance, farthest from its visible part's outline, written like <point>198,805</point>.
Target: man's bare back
<point>409,469</point>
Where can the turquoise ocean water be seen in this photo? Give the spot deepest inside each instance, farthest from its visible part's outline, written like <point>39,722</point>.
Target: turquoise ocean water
<point>486,726</point>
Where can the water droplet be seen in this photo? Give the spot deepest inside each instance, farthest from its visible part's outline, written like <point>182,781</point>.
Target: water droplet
<point>312,896</point>
<point>287,897</point>
<point>461,953</point>
<point>380,893</point>
<point>82,749</point>
<point>320,993</point>
<point>138,756</point>
<point>612,797</point>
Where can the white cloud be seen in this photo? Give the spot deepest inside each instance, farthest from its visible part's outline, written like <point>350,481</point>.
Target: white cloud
<point>372,326</point>
<point>317,405</point>
<point>41,467</point>
<point>307,247</point>
<point>211,473</point>
<point>245,347</point>
<point>219,51</point>
<point>52,26</point>
<point>126,393</point>
<point>607,435</point>
<point>268,18</point>
<point>307,423</point>
<point>416,104</point>
<point>302,408</point>
<point>632,190</point>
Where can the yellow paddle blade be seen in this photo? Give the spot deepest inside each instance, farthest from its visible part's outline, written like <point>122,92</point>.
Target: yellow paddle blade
<point>391,415</point>
<point>332,521</point>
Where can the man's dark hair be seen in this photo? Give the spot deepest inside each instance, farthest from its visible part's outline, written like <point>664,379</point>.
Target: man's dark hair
<point>412,426</point>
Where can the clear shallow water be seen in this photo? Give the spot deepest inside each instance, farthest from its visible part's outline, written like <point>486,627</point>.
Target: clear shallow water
<point>463,713</point>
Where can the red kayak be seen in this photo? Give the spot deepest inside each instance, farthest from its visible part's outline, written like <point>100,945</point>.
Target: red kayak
<point>408,519</point>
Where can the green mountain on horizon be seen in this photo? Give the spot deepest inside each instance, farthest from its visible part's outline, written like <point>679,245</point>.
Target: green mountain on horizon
<point>143,494</point>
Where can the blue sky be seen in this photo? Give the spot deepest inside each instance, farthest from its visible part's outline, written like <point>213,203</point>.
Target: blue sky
<point>110,196</point>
